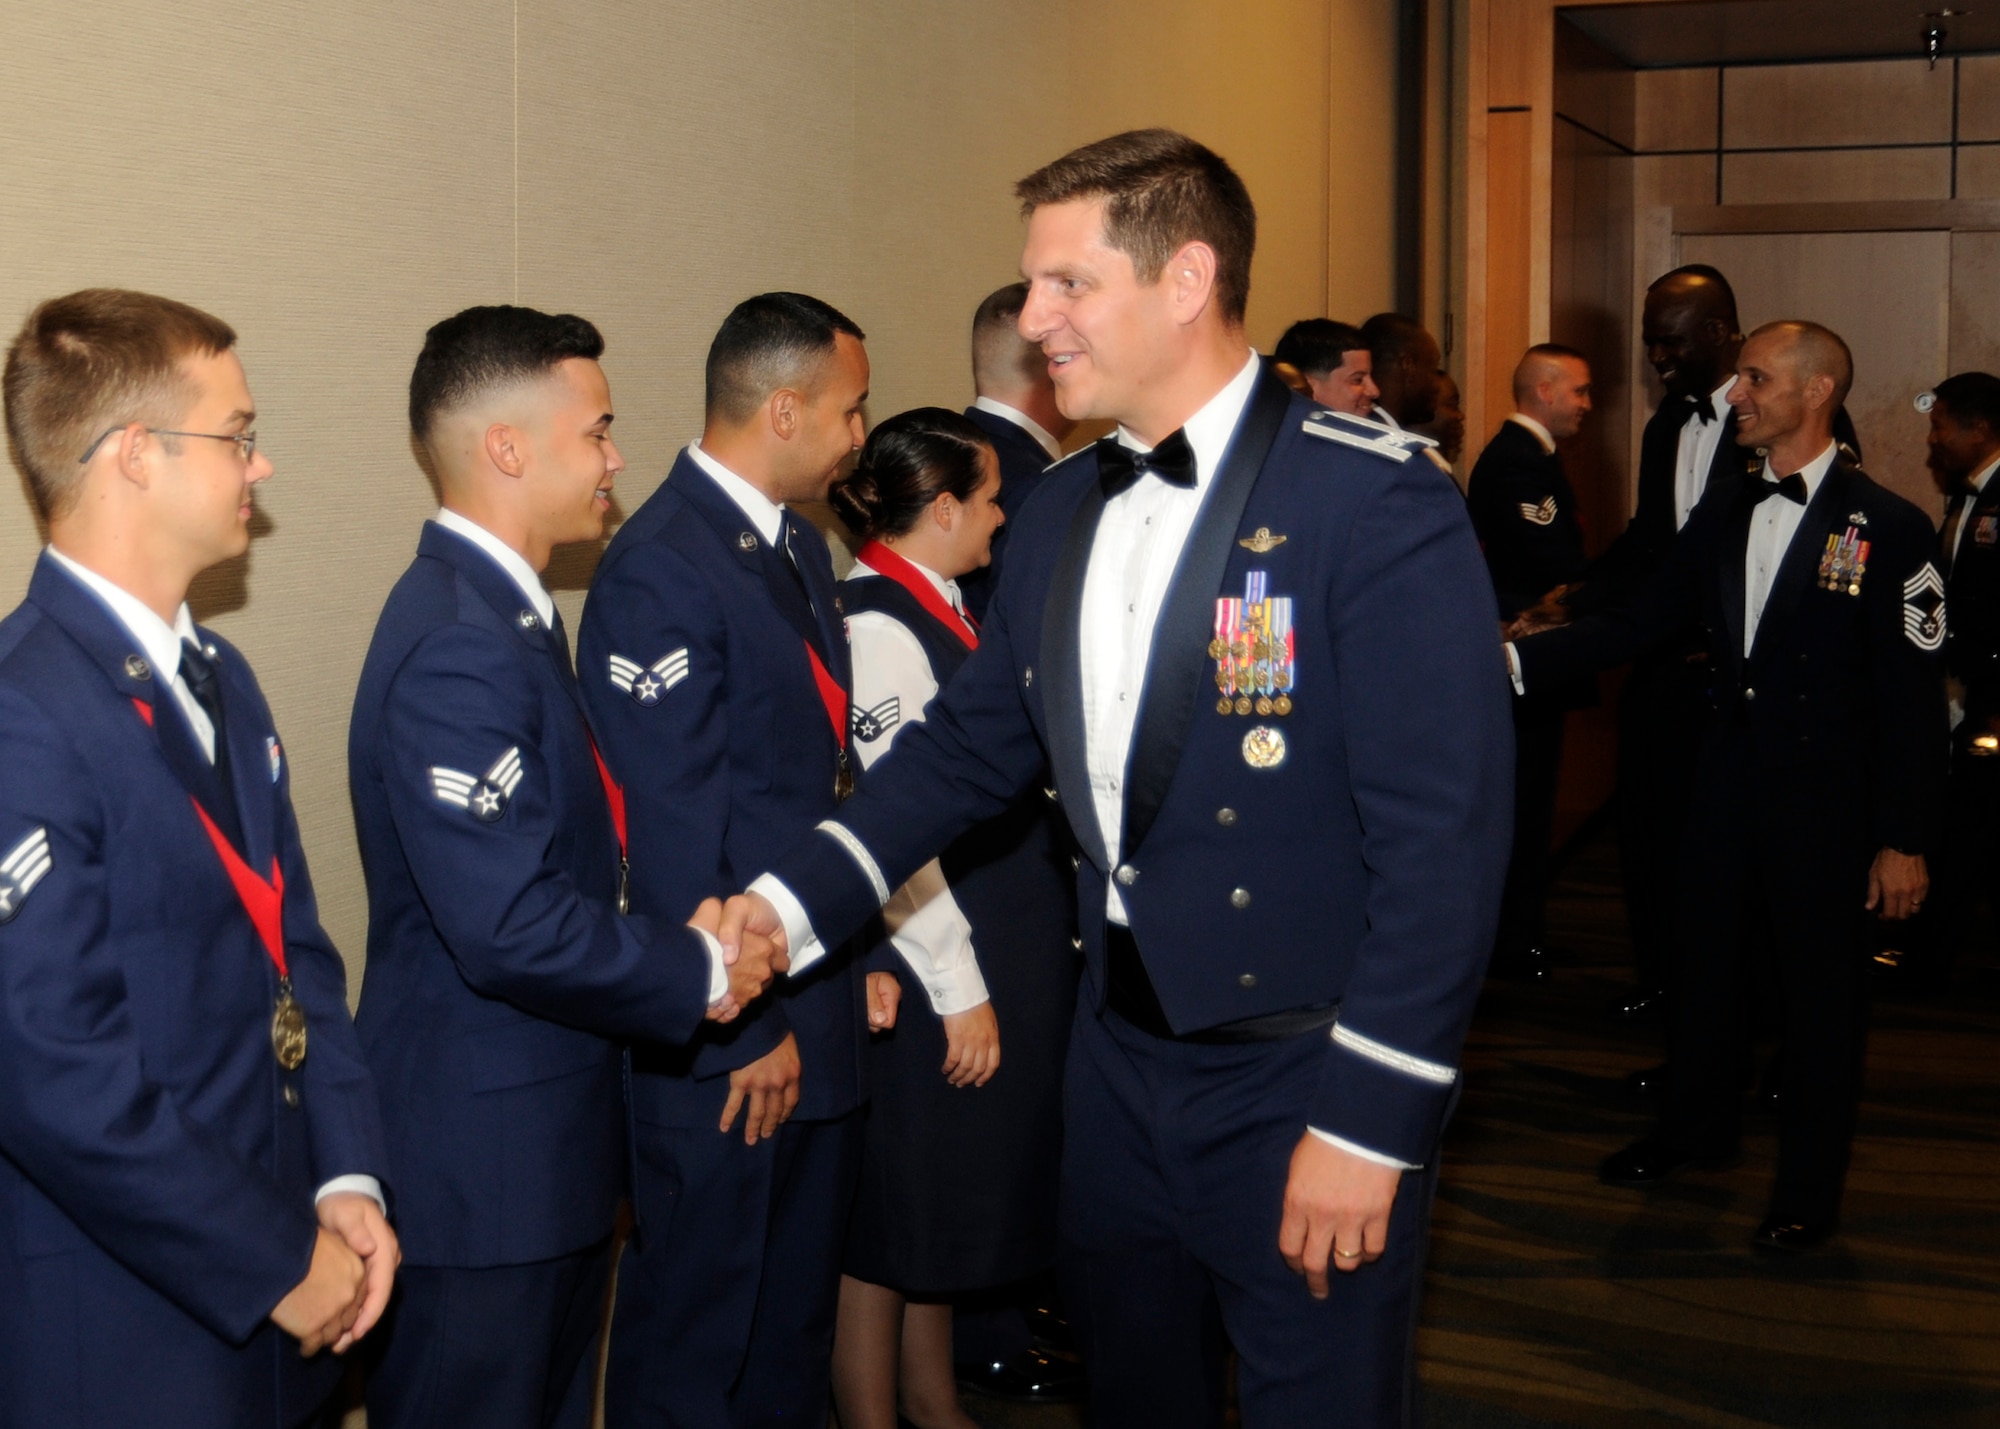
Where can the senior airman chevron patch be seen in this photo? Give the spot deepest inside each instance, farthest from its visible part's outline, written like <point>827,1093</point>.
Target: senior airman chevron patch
<point>24,865</point>
<point>871,724</point>
<point>648,684</point>
<point>485,799</point>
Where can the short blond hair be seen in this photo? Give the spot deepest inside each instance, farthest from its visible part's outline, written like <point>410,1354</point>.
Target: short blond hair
<point>93,360</point>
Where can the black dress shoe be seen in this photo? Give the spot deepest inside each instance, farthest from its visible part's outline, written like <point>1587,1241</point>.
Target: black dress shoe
<point>1781,1233</point>
<point>1647,1082</point>
<point>1652,1160</point>
<point>1638,1006</point>
<point>1027,1377</point>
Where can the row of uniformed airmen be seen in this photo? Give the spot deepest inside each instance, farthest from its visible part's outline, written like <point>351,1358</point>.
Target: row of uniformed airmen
<point>1269,729</point>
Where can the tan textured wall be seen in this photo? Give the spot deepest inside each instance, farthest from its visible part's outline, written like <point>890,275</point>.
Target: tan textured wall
<point>333,178</point>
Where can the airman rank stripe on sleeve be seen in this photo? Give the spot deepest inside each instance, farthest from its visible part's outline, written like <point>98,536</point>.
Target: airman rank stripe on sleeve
<point>871,724</point>
<point>648,683</point>
<point>24,865</point>
<point>1542,515</point>
<point>1369,436</point>
<point>1391,1058</point>
<point>484,798</point>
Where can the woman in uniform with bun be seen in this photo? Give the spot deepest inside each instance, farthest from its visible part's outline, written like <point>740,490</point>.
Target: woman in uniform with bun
<point>958,1181</point>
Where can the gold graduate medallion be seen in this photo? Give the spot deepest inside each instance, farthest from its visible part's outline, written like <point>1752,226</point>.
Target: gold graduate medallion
<point>288,1029</point>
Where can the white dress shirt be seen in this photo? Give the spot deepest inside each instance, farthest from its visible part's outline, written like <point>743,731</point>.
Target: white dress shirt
<point>1132,562</point>
<point>529,581</point>
<point>1696,454</point>
<point>763,513</point>
<point>927,927</point>
<point>1772,526</point>
<point>1025,422</point>
<point>161,645</point>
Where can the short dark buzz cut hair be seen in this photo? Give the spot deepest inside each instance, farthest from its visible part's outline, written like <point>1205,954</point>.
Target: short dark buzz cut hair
<point>473,352</point>
<point>1971,397</point>
<point>99,358</point>
<point>1394,338</point>
<point>1000,355</point>
<point>767,342</point>
<point>1161,191</point>
<point>1317,346</point>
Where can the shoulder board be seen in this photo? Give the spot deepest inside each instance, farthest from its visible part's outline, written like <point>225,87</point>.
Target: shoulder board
<point>1369,436</point>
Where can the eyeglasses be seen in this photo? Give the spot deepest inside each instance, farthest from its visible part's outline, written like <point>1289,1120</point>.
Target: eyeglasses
<point>246,442</point>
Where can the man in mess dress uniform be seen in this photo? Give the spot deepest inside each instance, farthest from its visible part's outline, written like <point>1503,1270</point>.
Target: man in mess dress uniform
<point>1255,643</point>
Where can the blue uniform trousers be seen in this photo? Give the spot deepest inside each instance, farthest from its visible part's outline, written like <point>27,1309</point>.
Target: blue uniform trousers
<point>1175,1157</point>
<point>726,1295</point>
<point>502,1347</point>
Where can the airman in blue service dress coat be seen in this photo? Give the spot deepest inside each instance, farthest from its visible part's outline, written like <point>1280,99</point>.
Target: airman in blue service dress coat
<point>716,673</point>
<point>1824,744</point>
<point>158,1166</point>
<point>1316,822</point>
<point>502,985</point>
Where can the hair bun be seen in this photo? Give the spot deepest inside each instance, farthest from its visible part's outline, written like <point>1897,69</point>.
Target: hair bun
<point>858,500</point>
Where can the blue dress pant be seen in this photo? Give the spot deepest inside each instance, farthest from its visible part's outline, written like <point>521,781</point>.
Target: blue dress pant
<point>1175,1158</point>
<point>726,1295</point>
<point>502,1347</point>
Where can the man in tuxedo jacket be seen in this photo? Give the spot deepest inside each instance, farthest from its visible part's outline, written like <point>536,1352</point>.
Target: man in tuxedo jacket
<point>714,663</point>
<point>1964,454</point>
<point>191,1160</point>
<point>1015,405</point>
<point>1254,642</point>
<point>1526,518</point>
<point>502,980</point>
<point>1816,788</point>
<point>1691,339</point>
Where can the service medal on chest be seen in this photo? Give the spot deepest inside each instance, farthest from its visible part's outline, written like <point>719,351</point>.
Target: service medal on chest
<point>1254,650</point>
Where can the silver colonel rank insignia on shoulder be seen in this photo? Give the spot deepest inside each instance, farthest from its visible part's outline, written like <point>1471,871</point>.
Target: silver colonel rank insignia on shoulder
<point>1923,609</point>
<point>648,684</point>
<point>1376,437</point>
<point>871,724</point>
<point>484,798</point>
<point>21,868</point>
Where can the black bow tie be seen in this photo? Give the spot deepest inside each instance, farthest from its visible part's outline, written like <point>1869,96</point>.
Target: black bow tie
<point>1698,407</point>
<point>1118,466</point>
<point>1792,488</point>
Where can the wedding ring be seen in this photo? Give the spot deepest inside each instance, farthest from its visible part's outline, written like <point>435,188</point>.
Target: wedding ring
<point>1348,1254</point>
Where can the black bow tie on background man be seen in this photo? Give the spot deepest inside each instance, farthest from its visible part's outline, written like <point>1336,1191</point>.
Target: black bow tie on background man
<point>1118,466</point>
<point>1792,488</point>
<point>1700,408</point>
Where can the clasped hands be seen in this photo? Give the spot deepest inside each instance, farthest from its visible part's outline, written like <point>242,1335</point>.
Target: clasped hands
<point>345,1291</point>
<point>753,949</point>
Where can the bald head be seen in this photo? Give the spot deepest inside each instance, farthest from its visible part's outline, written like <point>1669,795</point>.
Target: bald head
<point>1689,330</point>
<point>1814,352</point>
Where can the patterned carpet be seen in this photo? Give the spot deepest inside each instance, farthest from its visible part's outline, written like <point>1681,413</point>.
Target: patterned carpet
<point>1554,1300</point>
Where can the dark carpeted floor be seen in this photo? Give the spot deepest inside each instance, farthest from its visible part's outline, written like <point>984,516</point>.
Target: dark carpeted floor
<point>1553,1300</point>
